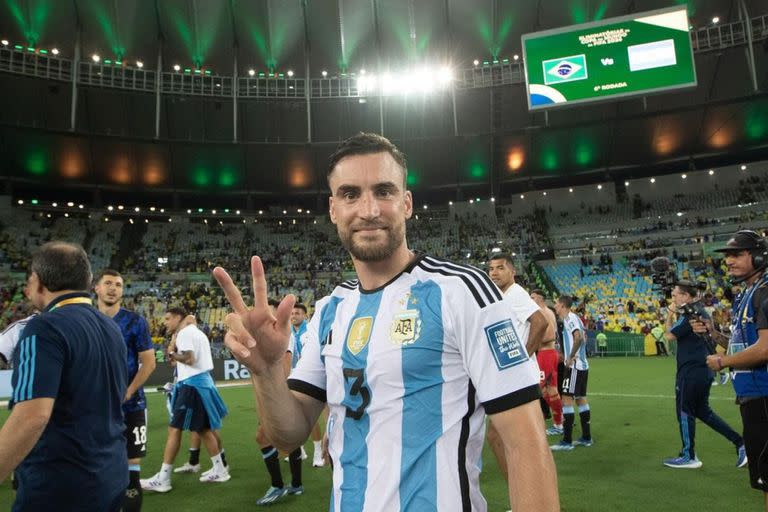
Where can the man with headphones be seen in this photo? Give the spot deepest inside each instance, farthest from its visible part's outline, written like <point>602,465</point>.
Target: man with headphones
<point>746,256</point>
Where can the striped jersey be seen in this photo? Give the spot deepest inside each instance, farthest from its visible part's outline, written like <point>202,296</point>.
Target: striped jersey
<point>409,370</point>
<point>9,338</point>
<point>573,323</point>
<point>297,342</point>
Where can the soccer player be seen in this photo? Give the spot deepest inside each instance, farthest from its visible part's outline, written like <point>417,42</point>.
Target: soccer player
<point>141,363</point>
<point>193,464</point>
<point>298,330</point>
<point>277,489</point>
<point>64,435</point>
<point>11,335</point>
<point>529,324</point>
<point>547,357</point>
<point>197,405</point>
<point>576,374</point>
<point>409,357</point>
<point>746,256</point>
<point>693,381</point>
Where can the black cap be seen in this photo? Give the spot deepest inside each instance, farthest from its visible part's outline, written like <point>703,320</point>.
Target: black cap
<point>742,241</point>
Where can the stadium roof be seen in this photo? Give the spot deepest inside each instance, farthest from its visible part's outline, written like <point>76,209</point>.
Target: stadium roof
<point>483,140</point>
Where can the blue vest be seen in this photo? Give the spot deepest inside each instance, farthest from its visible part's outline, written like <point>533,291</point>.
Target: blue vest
<point>747,382</point>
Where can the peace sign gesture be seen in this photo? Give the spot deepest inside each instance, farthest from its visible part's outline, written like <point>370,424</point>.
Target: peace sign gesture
<point>257,337</point>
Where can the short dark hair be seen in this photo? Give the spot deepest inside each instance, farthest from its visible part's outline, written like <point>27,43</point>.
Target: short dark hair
<point>365,144</point>
<point>538,292</point>
<point>177,311</point>
<point>503,256</point>
<point>273,302</point>
<point>107,272</point>
<point>687,287</point>
<point>301,307</point>
<point>565,300</point>
<point>62,266</point>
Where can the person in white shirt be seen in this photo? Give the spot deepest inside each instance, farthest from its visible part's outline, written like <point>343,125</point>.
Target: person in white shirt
<point>197,405</point>
<point>529,322</point>
<point>575,379</point>
<point>9,338</point>
<point>409,357</point>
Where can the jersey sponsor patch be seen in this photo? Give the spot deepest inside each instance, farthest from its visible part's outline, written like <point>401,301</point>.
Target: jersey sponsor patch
<point>359,334</point>
<point>505,345</point>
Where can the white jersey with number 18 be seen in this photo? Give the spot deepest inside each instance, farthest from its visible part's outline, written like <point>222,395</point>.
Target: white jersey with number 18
<point>409,371</point>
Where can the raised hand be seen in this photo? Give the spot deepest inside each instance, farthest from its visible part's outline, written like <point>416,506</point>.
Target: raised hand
<point>256,337</point>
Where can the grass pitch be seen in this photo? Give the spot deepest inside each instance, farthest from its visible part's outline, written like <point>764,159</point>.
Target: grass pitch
<point>633,424</point>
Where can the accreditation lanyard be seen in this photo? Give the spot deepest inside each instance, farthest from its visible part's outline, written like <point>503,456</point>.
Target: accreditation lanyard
<point>73,300</point>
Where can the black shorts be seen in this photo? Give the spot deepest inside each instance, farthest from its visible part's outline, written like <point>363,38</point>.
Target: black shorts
<point>754,416</point>
<point>574,382</point>
<point>188,411</point>
<point>136,434</point>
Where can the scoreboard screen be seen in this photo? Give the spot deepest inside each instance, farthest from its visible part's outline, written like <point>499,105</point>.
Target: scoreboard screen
<point>627,56</point>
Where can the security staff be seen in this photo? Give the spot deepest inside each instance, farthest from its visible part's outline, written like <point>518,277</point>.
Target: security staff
<point>746,256</point>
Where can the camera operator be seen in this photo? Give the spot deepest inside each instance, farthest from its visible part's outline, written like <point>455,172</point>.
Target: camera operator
<point>693,379</point>
<point>746,256</point>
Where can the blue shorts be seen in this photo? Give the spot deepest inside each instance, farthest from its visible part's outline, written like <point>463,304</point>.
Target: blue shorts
<point>188,411</point>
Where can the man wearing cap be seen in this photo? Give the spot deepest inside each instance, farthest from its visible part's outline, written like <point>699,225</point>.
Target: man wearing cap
<point>746,256</point>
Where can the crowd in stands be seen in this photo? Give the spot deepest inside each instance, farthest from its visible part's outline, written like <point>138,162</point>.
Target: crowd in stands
<point>170,263</point>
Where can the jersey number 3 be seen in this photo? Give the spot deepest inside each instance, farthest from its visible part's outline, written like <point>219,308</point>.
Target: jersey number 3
<point>357,387</point>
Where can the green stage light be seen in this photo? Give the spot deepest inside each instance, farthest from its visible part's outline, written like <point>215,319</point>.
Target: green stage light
<point>201,177</point>
<point>118,63</point>
<point>227,178</point>
<point>43,52</point>
<point>34,201</point>
<point>199,210</point>
<point>18,47</point>
<point>107,61</point>
<point>197,71</point>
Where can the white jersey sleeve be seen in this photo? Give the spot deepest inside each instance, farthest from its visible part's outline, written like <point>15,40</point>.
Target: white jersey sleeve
<point>309,377</point>
<point>521,303</point>
<point>10,337</point>
<point>493,352</point>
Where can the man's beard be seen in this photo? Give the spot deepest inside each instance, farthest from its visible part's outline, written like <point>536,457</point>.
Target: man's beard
<point>110,302</point>
<point>395,236</point>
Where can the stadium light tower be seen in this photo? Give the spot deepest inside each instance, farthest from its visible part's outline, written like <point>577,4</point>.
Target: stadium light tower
<point>716,20</point>
<point>5,42</point>
<point>95,57</point>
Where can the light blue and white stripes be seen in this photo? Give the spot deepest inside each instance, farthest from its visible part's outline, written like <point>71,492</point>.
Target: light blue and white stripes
<point>26,369</point>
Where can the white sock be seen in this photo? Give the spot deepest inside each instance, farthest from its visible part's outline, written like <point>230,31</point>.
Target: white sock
<point>218,465</point>
<point>318,447</point>
<point>165,471</point>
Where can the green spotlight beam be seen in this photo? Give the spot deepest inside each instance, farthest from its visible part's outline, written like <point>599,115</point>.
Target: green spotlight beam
<point>32,22</point>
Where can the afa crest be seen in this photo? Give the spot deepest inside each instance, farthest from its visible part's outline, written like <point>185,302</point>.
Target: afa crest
<point>406,327</point>
<point>359,334</point>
